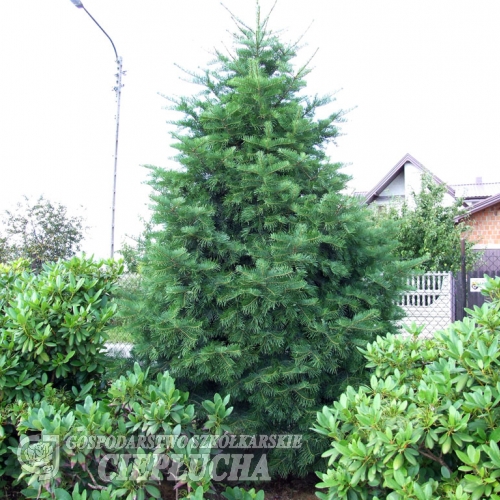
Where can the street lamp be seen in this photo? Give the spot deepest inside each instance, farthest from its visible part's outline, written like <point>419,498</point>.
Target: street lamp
<point>118,91</point>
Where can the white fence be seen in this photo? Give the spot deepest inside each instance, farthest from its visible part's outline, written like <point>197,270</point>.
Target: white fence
<point>430,303</point>
<point>118,349</point>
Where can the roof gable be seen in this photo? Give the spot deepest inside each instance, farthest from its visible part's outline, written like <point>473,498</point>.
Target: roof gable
<point>395,171</point>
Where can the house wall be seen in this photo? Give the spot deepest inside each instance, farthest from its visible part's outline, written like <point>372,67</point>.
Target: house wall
<point>413,183</point>
<point>448,200</point>
<point>396,187</point>
<point>486,226</point>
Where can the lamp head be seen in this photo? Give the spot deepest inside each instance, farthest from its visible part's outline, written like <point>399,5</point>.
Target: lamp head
<point>77,3</point>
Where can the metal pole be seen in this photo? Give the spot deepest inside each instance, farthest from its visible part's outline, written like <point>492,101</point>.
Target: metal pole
<point>118,90</point>
<point>464,275</point>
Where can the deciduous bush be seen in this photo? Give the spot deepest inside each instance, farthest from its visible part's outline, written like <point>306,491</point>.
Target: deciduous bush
<point>428,424</point>
<point>53,324</point>
<point>52,334</point>
<point>133,408</point>
<point>53,328</point>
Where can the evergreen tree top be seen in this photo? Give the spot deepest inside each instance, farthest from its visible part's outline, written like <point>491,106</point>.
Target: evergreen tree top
<point>261,277</point>
<point>251,99</point>
<point>251,135</point>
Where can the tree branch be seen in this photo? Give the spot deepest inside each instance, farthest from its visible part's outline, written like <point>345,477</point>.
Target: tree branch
<point>427,453</point>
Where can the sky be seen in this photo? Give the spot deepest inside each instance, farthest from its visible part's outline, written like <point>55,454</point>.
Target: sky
<point>417,76</point>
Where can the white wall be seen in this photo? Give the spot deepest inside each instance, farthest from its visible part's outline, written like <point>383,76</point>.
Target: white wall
<point>396,187</point>
<point>413,183</point>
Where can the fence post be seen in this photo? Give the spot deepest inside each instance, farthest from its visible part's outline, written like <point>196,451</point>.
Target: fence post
<point>464,276</point>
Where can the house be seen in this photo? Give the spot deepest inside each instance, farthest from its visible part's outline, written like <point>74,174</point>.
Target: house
<point>482,203</point>
<point>401,181</point>
<point>484,217</point>
<point>475,193</point>
<point>405,178</point>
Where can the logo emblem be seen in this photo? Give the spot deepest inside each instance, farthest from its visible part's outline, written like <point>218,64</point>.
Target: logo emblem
<point>39,456</point>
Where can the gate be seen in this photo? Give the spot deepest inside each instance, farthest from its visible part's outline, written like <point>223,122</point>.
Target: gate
<point>471,296</point>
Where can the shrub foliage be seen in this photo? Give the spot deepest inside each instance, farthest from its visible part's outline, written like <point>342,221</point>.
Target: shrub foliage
<point>53,329</point>
<point>52,324</point>
<point>428,424</point>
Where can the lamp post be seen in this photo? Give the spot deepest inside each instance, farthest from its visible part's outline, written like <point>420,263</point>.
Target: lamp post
<point>118,91</point>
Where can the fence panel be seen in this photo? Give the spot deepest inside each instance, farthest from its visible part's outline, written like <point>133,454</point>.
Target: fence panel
<point>119,349</point>
<point>490,265</point>
<point>430,303</point>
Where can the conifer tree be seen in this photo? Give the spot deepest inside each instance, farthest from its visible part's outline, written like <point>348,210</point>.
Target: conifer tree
<point>261,278</point>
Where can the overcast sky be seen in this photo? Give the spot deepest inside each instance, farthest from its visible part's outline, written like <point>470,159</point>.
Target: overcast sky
<point>420,77</point>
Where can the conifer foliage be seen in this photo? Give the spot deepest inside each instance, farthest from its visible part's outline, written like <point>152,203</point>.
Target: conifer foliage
<point>261,278</point>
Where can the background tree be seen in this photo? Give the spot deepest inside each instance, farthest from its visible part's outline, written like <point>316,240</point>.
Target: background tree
<point>133,249</point>
<point>427,229</point>
<point>5,251</point>
<point>260,278</point>
<point>40,231</point>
